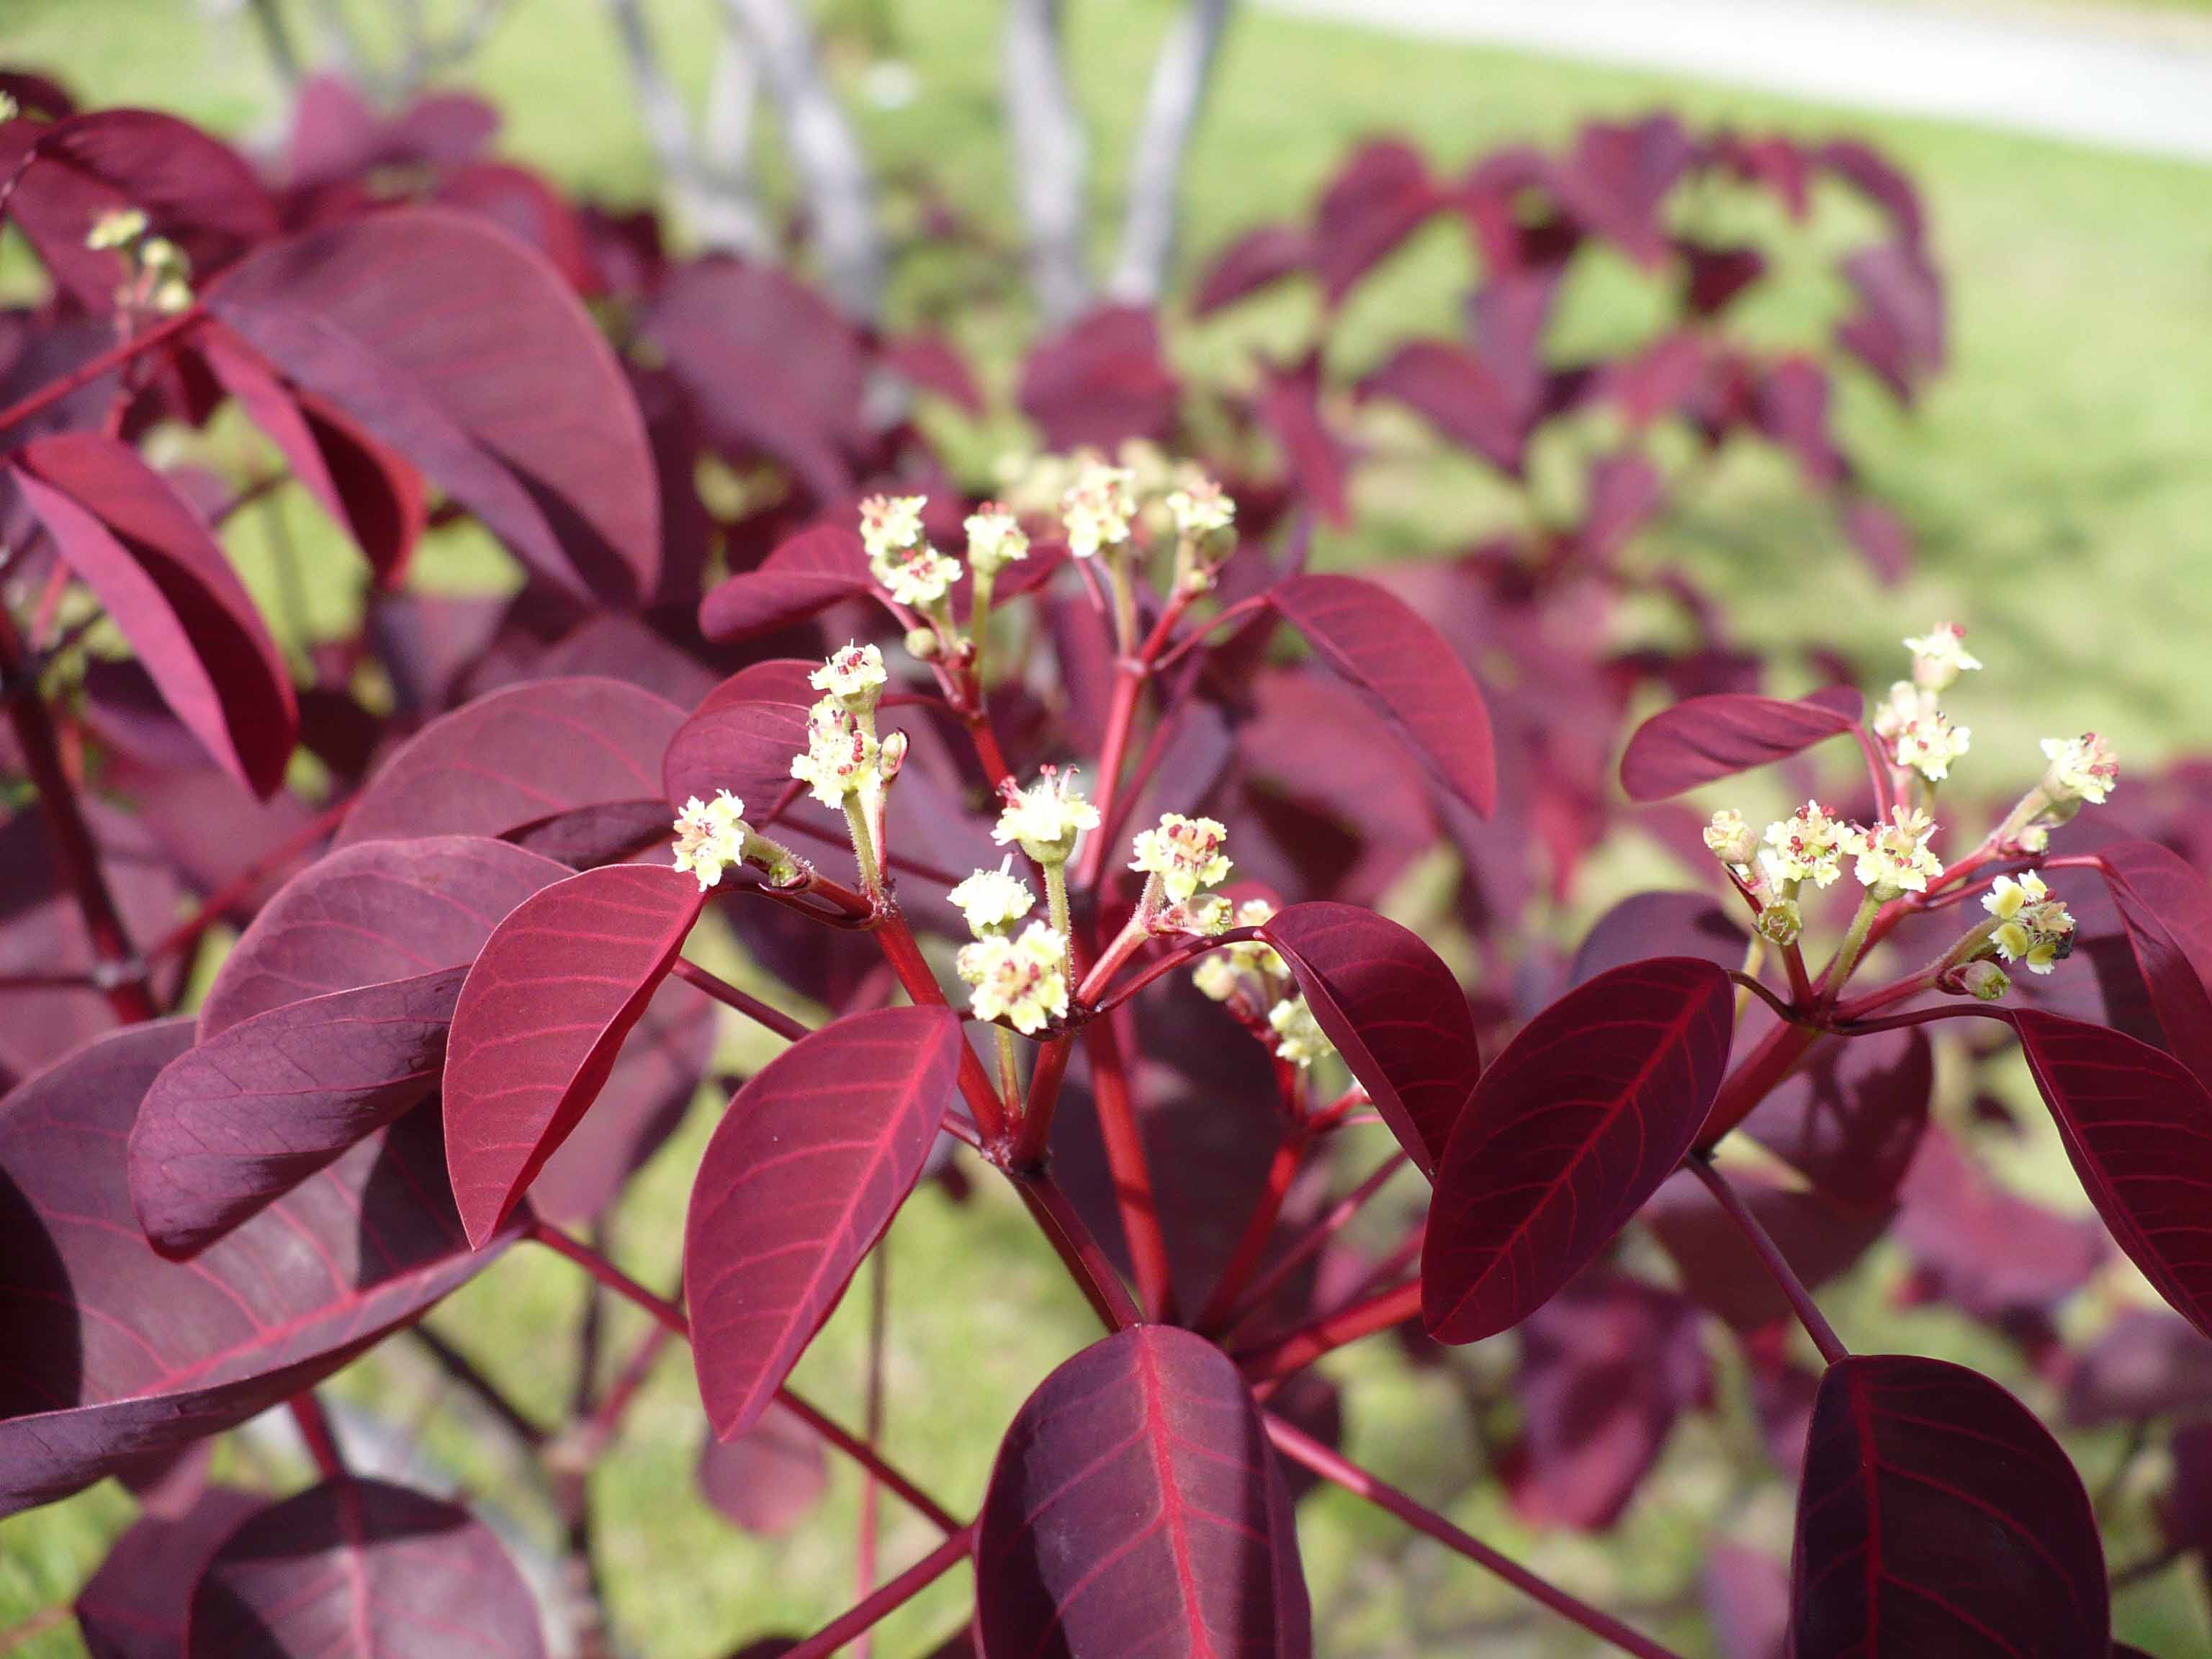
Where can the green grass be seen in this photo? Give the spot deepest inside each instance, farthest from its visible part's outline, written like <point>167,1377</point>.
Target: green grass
<point>2059,477</point>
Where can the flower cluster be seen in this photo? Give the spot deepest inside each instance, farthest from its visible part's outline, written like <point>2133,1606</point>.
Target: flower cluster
<point>842,756</point>
<point>1022,980</point>
<point>1921,738</point>
<point>1806,846</point>
<point>900,558</point>
<point>711,836</point>
<point>2082,768</point>
<point>1097,508</point>
<point>160,272</point>
<point>1046,818</point>
<point>1893,857</point>
<point>1255,982</point>
<point>995,540</point>
<point>1182,854</point>
<point>992,900</point>
<point>2032,926</point>
<point>855,677</point>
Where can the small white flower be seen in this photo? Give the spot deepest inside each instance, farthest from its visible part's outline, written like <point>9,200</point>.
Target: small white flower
<point>1730,839</point>
<point>1298,1036</point>
<point>854,676</point>
<point>992,900</point>
<point>1216,977</point>
<point>1097,508</point>
<point>1939,657</point>
<point>1046,817</point>
<point>995,539</point>
<point>1894,857</point>
<point>1021,980</point>
<point>1806,846</point>
<point>917,576</point>
<point>2032,927</point>
<point>890,524</point>
<point>2081,768</point>
<point>841,756</point>
<point>1185,853</point>
<point>1780,922</point>
<point>1201,508</point>
<point>118,227</point>
<point>1929,743</point>
<point>710,836</point>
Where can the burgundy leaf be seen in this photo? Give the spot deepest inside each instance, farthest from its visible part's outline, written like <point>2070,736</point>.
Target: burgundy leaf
<point>1998,1257</point>
<point>1509,313</point>
<point>1394,1012</point>
<point>1403,666</point>
<point>1877,178</point>
<point>643,1102</point>
<point>1900,290</point>
<point>1290,406</point>
<point>135,1607</point>
<point>1937,1515</point>
<point>1455,391</point>
<point>802,577</point>
<point>769,1478</point>
<point>1703,738</point>
<point>2138,1129</point>
<point>465,351</point>
<point>1616,177</point>
<point>359,1569</point>
<point>1721,1273</point>
<point>518,757</point>
<point>1659,924</point>
<point>2147,1364</point>
<point>934,364</point>
<point>556,989</point>
<point>245,1116</point>
<point>1257,259</point>
<point>110,1353</point>
<point>1792,409</point>
<point>1746,1598</point>
<point>1850,1119</point>
<point>1377,199</point>
<point>1100,381</point>
<point>1136,1508</point>
<point>806,1169</point>
<point>2166,910</point>
<point>745,747</point>
<point>162,578</point>
<point>1880,537</point>
<point>1572,1127</point>
<point>193,190</point>
<point>1625,493</point>
<point>1718,275</point>
<point>375,911</point>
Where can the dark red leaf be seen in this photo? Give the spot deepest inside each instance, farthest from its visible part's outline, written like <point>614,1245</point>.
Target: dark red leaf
<point>1703,738</point>
<point>1625,493</point>
<point>162,578</point>
<point>1746,1598</point>
<point>642,1103</point>
<point>1572,1127</point>
<point>2166,910</point>
<point>1136,1508</point>
<point>769,1478</point>
<point>1878,180</point>
<point>1902,292</point>
<point>1616,177</point>
<point>463,350</point>
<point>802,577</point>
<point>1509,313</point>
<point>2138,1129</point>
<point>1718,275</point>
<point>193,190</point>
<point>2147,1364</point>
<point>806,1169</point>
<point>770,366</point>
<point>1721,1273</point>
<point>1850,1118</point>
<point>1377,199</point>
<point>1659,924</point>
<point>135,1607</point>
<point>359,1570</point>
<point>1290,406</point>
<point>1792,411</point>
<point>520,757</point>
<point>111,1353</point>
<point>934,364</point>
<point>1101,381</point>
<point>376,911</point>
<point>1880,537</point>
<point>1937,1515</point>
<point>1394,1013</point>
<point>1998,1257</point>
<point>1454,390</point>
<point>1403,666</point>
<point>1257,259</point>
<point>746,748</point>
<point>541,1018</point>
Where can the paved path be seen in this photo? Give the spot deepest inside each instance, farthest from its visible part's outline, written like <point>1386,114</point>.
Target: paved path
<point>2142,85</point>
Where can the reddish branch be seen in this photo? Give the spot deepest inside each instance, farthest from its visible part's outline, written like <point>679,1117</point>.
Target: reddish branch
<point>1771,1257</point>
<point>746,1004</point>
<point>893,1595</point>
<point>1298,1350</point>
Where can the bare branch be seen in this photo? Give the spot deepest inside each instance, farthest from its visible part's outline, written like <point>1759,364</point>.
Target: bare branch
<point>825,153</point>
<point>715,203</point>
<point>1181,75</point>
<point>1050,157</point>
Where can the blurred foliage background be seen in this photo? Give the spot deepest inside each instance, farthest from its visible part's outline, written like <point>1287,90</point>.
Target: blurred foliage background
<point>2058,477</point>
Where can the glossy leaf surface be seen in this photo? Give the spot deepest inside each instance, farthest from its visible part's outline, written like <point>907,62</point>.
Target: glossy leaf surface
<point>2168,912</point>
<point>802,577</point>
<point>1703,738</point>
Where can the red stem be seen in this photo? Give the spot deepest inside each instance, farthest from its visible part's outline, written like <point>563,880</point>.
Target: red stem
<point>1259,1229</point>
<point>893,1595</point>
<point>1310,1244</point>
<point>907,961</point>
<point>871,1423</point>
<point>1120,716</point>
<point>606,1417</point>
<point>315,1430</point>
<point>1168,963</point>
<point>1133,1176</point>
<point>1033,1138</point>
<point>1079,1251</point>
<point>85,373</point>
<point>1303,1347</point>
<point>1771,1257</point>
<point>1301,1447</point>
<point>217,903</point>
<point>752,1006</point>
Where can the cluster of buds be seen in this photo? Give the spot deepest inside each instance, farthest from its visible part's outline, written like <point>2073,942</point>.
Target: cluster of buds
<point>1919,736</point>
<point>1255,983</point>
<point>1098,507</point>
<point>2030,925</point>
<point>843,757</point>
<point>160,276</point>
<point>713,836</point>
<point>1020,979</point>
<point>1179,856</point>
<point>1045,819</point>
<point>900,558</point>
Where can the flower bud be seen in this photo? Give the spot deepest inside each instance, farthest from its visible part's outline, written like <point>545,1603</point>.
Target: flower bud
<point>1939,657</point>
<point>993,901</point>
<point>1185,853</point>
<point>1046,817</point>
<point>891,755</point>
<point>2082,768</point>
<point>1984,981</point>
<point>922,644</point>
<point>1299,1038</point>
<point>1780,923</point>
<point>854,676</point>
<point>1730,839</point>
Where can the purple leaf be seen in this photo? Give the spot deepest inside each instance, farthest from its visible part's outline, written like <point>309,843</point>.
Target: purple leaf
<point>1616,177</point>
<point>1377,199</point>
<point>359,1569</point>
<point>2168,912</point>
<point>2000,1258</point>
<point>1455,391</point>
<point>643,1102</point>
<point>1136,1508</point>
<point>932,363</point>
<point>1703,738</point>
<point>1746,1598</point>
<point>1572,1127</point>
<point>1625,493</point>
<point>1937,1515</point>
<point>2138,1129</point>
<point>1877,178</point>
<point>107,1353</point>
<point>1289,406</point>
<point>2147,1364</point>
<point>560,984</point>
<point>769,1478</point>
<point>520,757</point>
<point>746,748</point>
<point>1901,291</point>
<point>806,1169</point>
<point>1403,666</point>
<point>802,577</point>
<point>1880,537</point>
<point>464,350</point>
<point>1394,1012</point>
<point>245,1116</point>
<point>1850,1118</point>
<point>1792,409</point>
<point>162,578</point>
<point>1257,259</point>
<point>1720,1271</point>
<point>1659,924</point>
<point>1102,380</point>
<point>376,911</point>
<point>135,1607</point>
